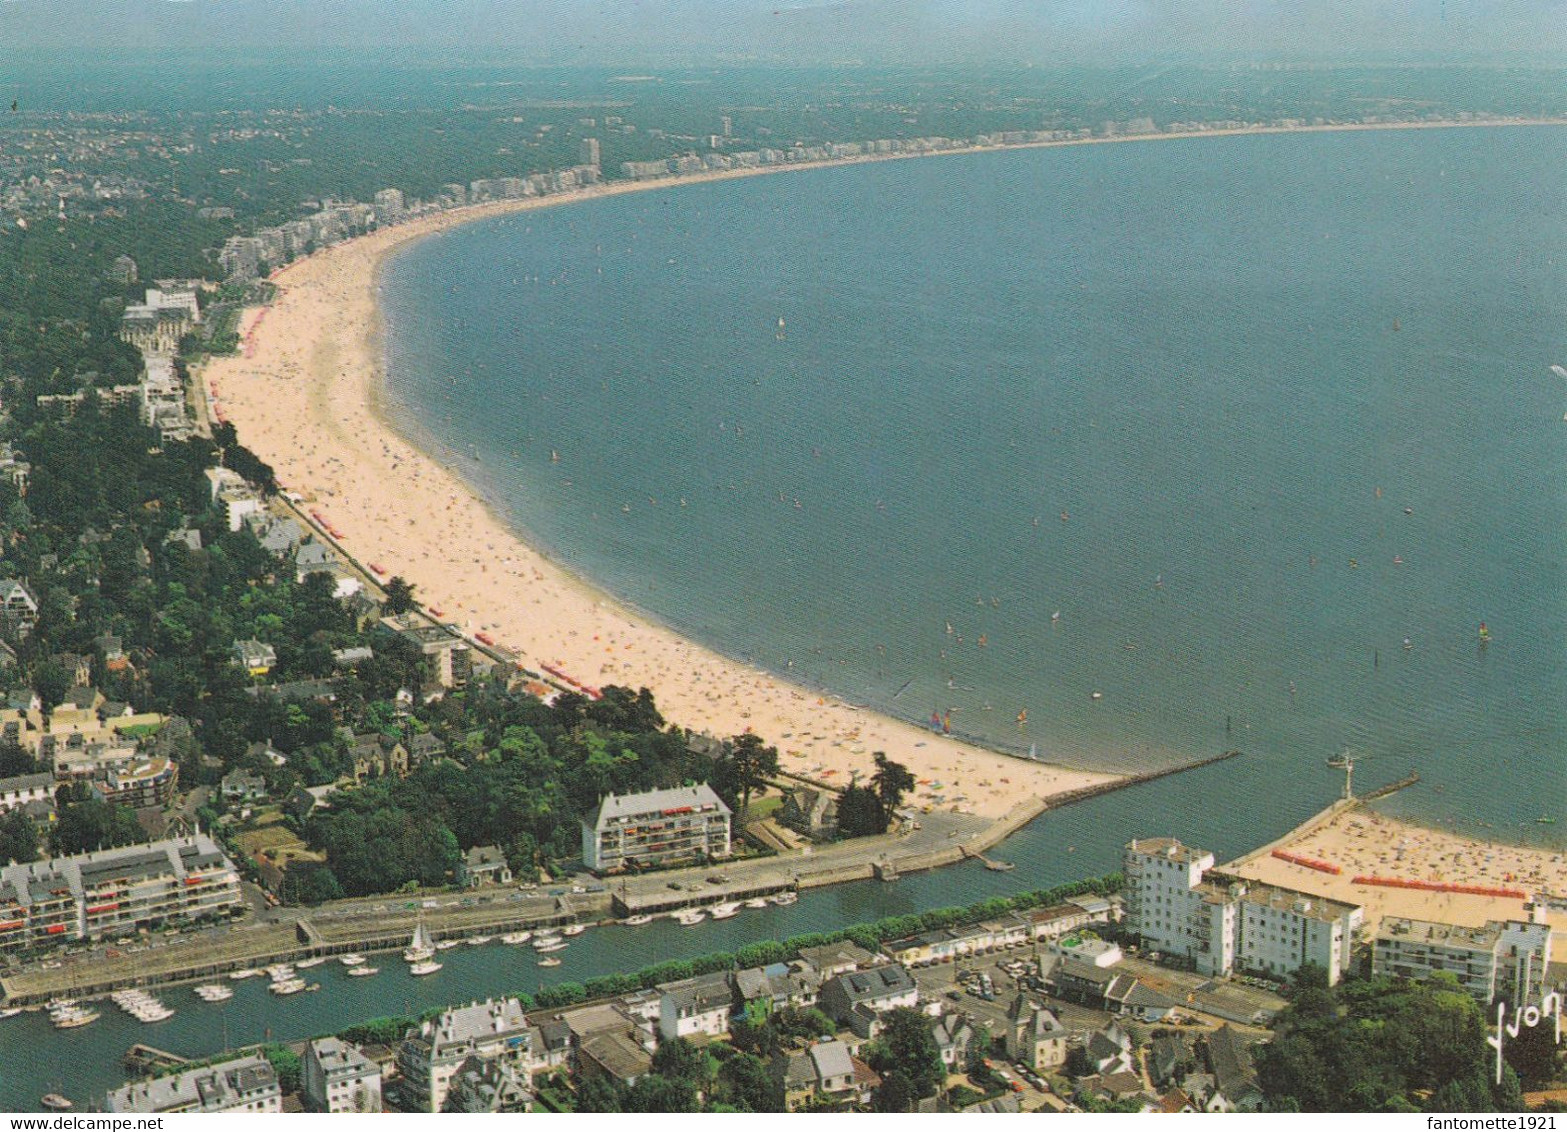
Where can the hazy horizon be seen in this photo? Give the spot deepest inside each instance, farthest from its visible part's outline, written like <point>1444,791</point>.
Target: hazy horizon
<point>607,32</point>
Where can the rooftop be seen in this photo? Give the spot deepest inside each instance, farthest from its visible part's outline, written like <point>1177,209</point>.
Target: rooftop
<point>1169,848</point>
<point>674,799</point>
<point>1456,936</point>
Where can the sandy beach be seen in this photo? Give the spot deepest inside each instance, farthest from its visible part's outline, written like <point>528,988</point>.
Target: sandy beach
<point>305,398</point>
<point>1364,843</point>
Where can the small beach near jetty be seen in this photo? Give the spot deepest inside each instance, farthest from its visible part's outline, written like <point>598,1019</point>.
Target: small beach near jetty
<point>1362,843</point>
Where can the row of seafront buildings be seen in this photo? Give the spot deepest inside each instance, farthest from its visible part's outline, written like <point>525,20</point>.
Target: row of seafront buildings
<point>113,892</point>
<point>250,257</point>
<point>1177,903</point>
<point>766,157</point>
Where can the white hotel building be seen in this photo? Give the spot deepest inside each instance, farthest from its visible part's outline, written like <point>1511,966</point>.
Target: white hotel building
<point>1222,924</point>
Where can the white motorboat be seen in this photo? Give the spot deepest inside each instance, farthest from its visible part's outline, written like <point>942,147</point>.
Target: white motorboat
<point>638,920</point>
<point>363,970</point>
<point>690,916</point>
<point>351,960</point>
<point>516,937</point>
<point>725,910</point>
<point>424,967</point>
<point>72,1017</point>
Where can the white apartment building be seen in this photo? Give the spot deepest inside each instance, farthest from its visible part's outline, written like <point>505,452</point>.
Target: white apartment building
<point>431,1055</point>
<point>338,1078</point>
<point>246,1084</point>
<point>1281,930</point>
<point>1163,904</point>
<point>1502,960</point>
<point>1222,924</point>
<point>656,827</point>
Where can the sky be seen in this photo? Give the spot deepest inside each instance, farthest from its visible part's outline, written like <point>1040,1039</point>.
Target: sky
<point>813,31</point>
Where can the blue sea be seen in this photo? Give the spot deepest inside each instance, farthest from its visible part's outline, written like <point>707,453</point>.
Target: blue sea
<point>1248,435</point>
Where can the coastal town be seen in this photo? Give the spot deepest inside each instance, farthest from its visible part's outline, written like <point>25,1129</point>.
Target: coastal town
<point>257,733</point>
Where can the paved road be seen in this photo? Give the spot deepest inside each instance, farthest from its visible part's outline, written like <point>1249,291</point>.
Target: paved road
<point>937,832</point>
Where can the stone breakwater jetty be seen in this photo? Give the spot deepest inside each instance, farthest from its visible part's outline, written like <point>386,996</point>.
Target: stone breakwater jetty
<point>932,841</point>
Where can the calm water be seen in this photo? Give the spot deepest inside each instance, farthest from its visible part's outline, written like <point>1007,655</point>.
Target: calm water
<point>1187,347</point>
<point>1181,393</point>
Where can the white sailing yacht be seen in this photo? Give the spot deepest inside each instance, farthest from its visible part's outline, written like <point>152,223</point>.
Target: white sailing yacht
<point>421,947</point>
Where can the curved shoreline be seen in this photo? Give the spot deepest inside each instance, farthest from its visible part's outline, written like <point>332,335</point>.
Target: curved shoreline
<point>317,369</point>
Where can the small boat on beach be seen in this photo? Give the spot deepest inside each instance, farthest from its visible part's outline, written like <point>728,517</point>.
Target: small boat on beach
<point>363,970</point>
